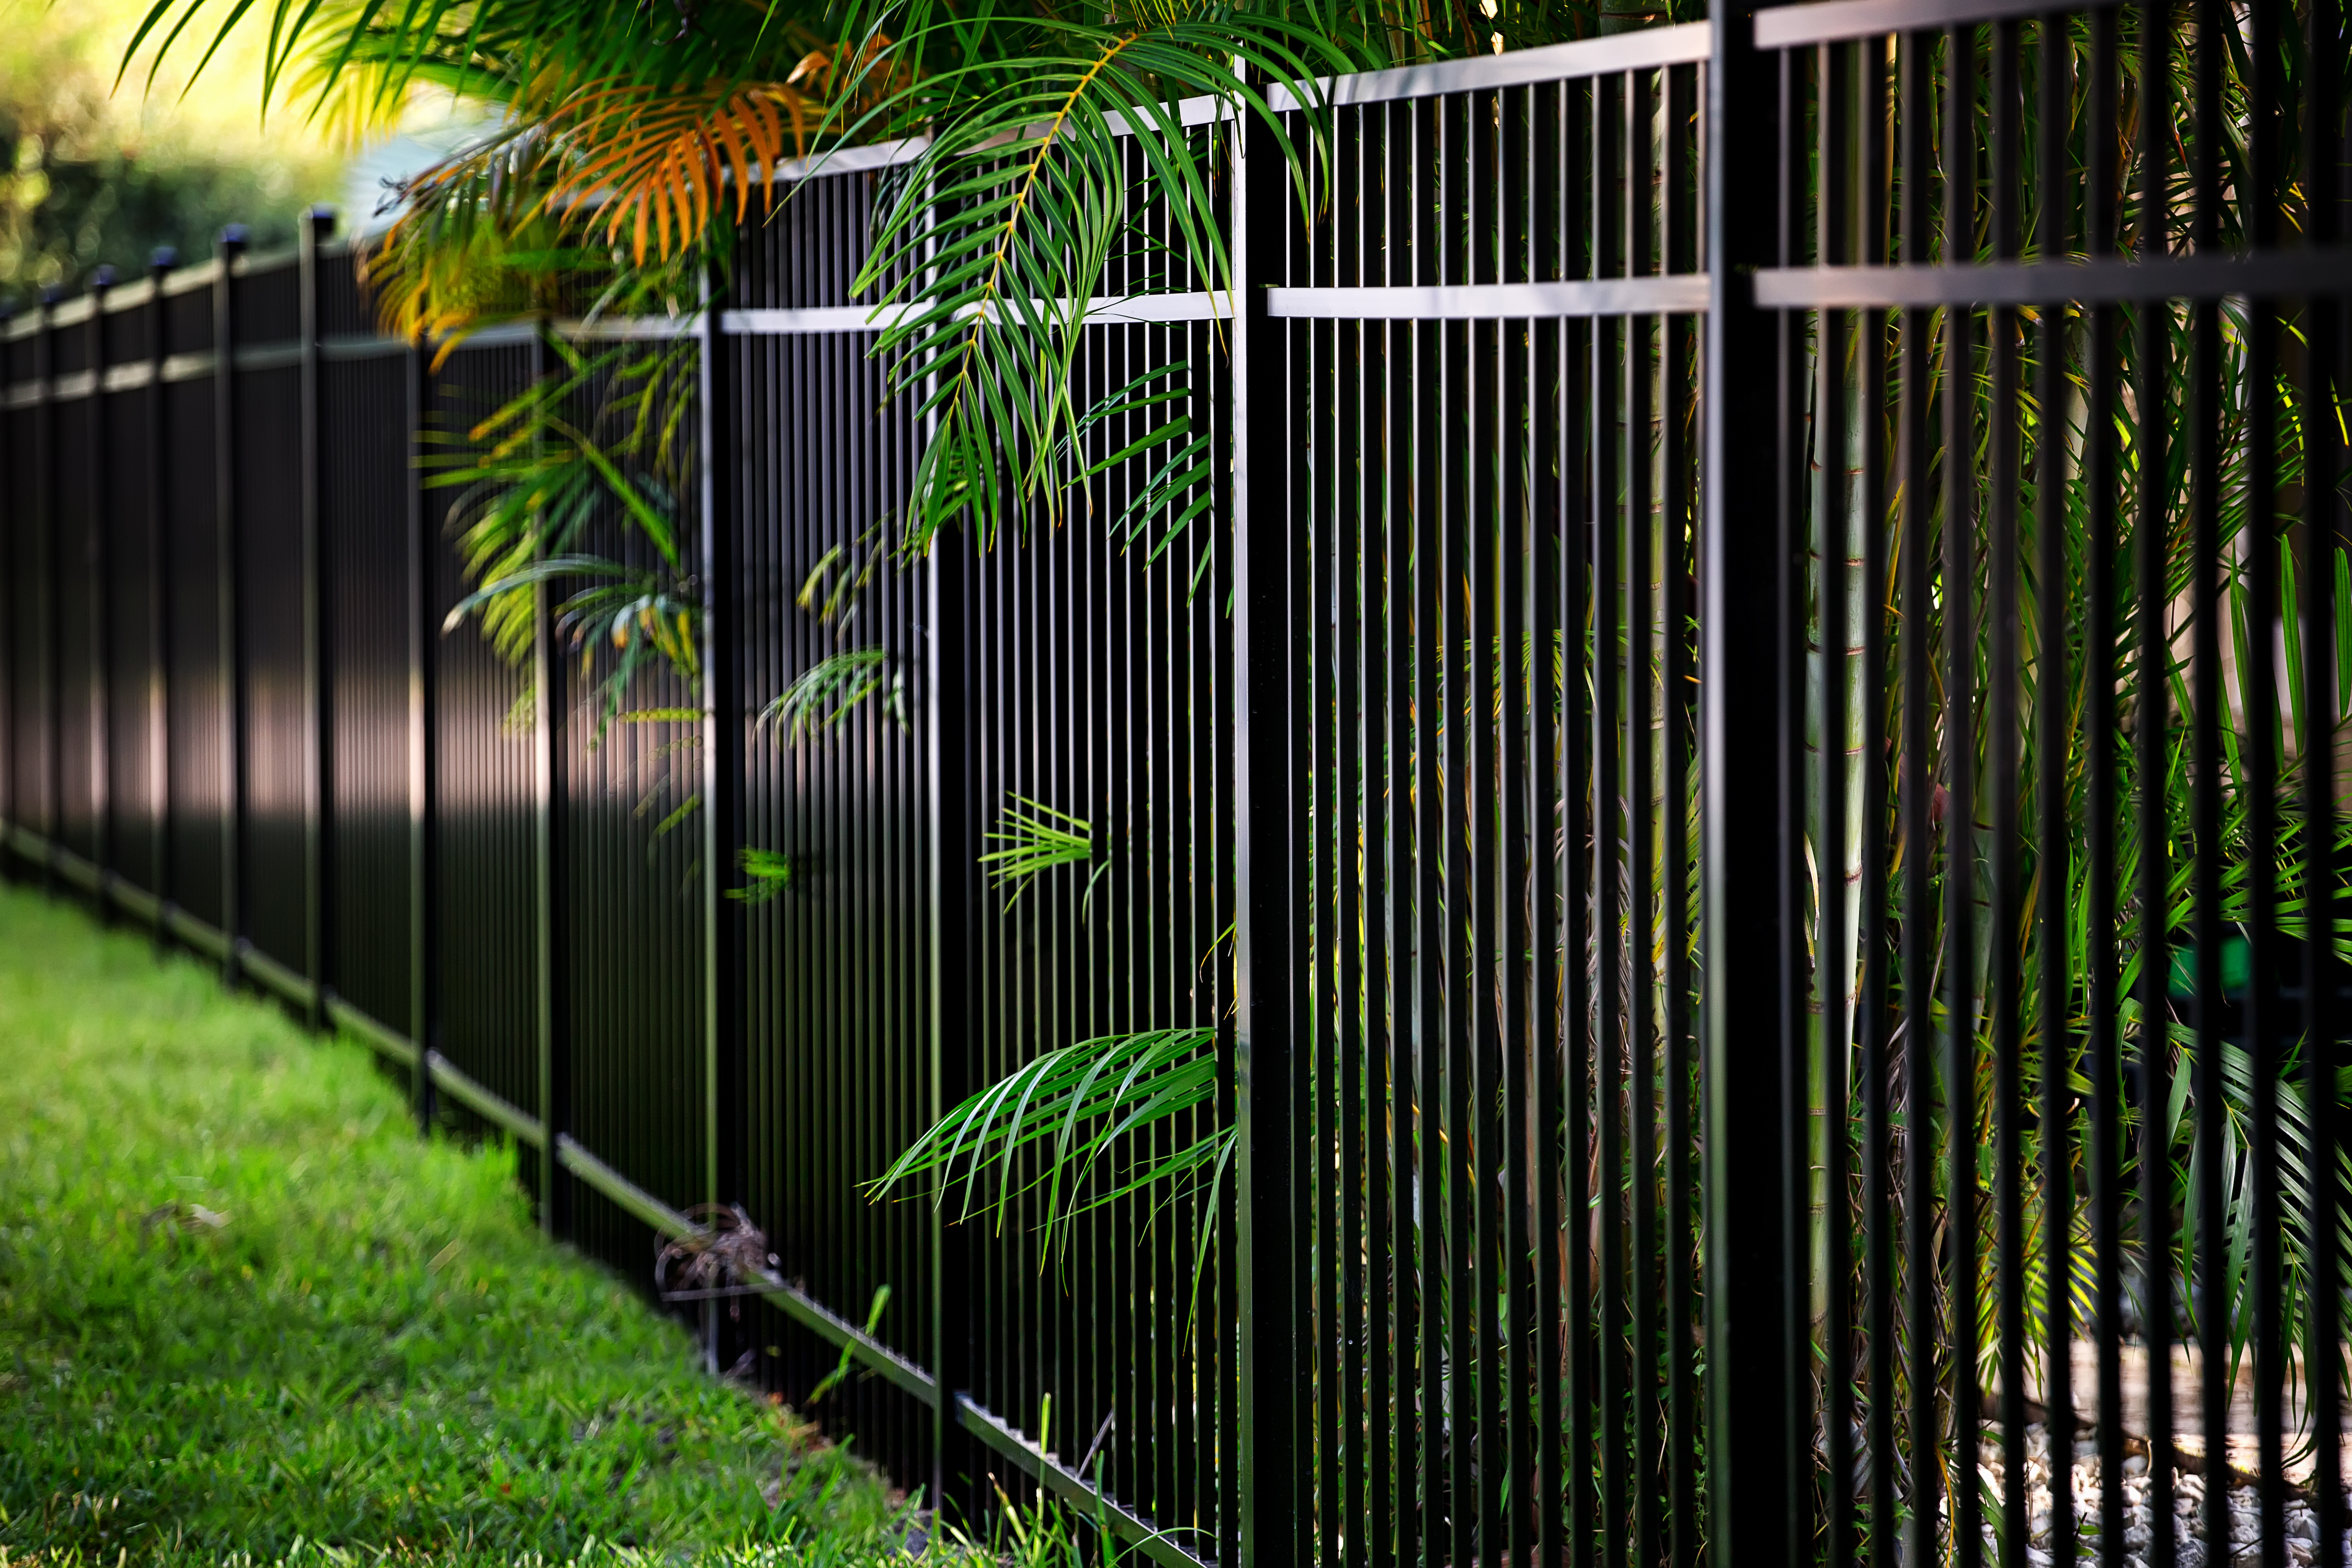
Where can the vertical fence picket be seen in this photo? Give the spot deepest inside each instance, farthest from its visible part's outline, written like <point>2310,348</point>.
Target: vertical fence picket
<point>725,1129</point>
<point>422,690</point>
<point>45,514</point>
<point>1743,827</point>
<point>549,925</point>
<point>1268,758</point>
<point>2326,377</point>
<point>231,676</point>
<point>160,685</point>
<point>315,226</point>
<point>99,594</point>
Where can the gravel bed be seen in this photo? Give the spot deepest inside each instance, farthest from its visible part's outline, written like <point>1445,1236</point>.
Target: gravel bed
<point>2191,1550</point>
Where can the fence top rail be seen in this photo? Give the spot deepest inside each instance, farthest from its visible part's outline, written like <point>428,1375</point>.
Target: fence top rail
<point>114,299</point>
<point>2310,271</point>
<point>247,263</point>
<point>191,279</point>
<point>1836,21</point>
<point>1648,49</point>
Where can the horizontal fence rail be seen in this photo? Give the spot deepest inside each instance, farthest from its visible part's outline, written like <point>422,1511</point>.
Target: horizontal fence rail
<point>1724,780</point>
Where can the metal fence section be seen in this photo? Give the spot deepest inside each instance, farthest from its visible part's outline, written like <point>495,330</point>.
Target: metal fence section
<point>1740,768</point>
<point>2041,421</point>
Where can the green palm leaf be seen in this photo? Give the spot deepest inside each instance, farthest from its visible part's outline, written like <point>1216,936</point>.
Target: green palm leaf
<point>1072,1106</point>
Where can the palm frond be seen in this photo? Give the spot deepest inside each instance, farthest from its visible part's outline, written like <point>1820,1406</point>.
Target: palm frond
<point>823,695</point>
<point>1073,1106</point>
<point>656,162</point>
<point>771,872</point>
<point>641,613</point>
<point>988,249</point>
<point>1036,839</point>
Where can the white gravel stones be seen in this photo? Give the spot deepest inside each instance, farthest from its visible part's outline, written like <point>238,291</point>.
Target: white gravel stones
<point>2300,1524</point>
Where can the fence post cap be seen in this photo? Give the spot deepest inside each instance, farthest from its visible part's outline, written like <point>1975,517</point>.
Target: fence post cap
<point>162,258</point>
<point>320,220</point>
<point>233,236</point>
<point>103,279</point>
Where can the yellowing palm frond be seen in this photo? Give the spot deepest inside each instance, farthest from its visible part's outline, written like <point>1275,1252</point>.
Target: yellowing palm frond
<point>657,161</point>
<point>467,250</point>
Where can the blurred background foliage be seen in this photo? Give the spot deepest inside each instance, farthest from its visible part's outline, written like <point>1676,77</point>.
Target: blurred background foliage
<point>93,172</point>
<point>90,175</point>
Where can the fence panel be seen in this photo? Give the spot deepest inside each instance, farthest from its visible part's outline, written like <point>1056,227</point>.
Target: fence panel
<point>131,579</point>
<point>274,715</point>
<point>635,874</point>
<point>1756,949</point>
<point>76,628</point>
<point>198,682</point>
<point>367,451</point>
<point>837,1016</point>
<point>2064,1074</point>
<point>25,424</point>
<point>485,914</point>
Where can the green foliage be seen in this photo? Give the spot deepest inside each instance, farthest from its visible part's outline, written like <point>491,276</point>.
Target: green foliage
<point>988,249</point>
<point>773,874</point>
<point>842,1368</point>
<point>246,1312</point>
<point>1036,839</point>
<point>826,692</point>
<point>1072,1108</point>
<point>88,180</point>
<point>598,439</point>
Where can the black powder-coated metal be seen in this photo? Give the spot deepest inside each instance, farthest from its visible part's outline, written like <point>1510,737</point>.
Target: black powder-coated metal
<point>368,587</point>
<point>198,803</point>
<point>229,672</point>
<point>1271,617</point>
<point>94,525</point>
<point>553,1096</point>
<point>423,638</point>
<point>316,729</point>
<point>1744,825</point>
<point>2323,524</point>
<point>55,599</point>
<point>162,686</point>
<point>78,620</point>
<point>483,873</point>
<point>1684,988</point>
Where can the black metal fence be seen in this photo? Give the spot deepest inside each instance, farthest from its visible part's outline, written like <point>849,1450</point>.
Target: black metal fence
<point>1761,942</point>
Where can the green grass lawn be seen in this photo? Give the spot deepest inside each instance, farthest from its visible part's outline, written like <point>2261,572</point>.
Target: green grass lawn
<point>246,1313</point>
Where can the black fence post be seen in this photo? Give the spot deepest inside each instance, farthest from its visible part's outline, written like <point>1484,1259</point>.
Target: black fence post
<point>952,918</point>
<point>724,1130</point>
<point>94,560</point>
<point>423,923</point>
<point>1748,548</point>
<point>555,1194</point>
<point>10,817</point>
<point>722,752</point>
<point>45,518</point>
<point>159,598</point>
<point>1268,759</point>
<point>232,671</point>
<point>317,226</point>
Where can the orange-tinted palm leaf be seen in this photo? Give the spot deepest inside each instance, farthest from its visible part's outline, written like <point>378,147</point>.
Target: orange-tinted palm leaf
<point>658,161</point>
